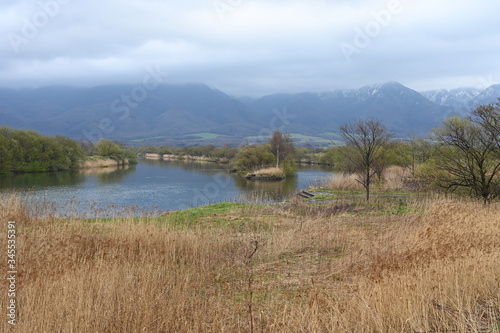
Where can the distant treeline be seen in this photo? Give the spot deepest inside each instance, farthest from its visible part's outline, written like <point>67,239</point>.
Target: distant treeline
<point>28,151</point>
<point>225,152</point>
<point>402,153</point>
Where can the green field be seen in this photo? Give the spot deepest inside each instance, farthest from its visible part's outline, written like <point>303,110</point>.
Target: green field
<point>206,136</point>
<point>301,139</point>
<point>146,139</point>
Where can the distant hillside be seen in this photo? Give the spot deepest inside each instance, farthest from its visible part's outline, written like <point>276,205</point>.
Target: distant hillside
<point>198,114</point>
<point>169,111</point>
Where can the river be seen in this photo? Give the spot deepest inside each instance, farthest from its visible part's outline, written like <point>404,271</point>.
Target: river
<point>157,185</point>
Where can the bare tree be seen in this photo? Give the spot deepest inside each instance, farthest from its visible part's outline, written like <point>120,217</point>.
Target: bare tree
<point>365,141</point>
<point>469,156</point>
<point>488,117</point>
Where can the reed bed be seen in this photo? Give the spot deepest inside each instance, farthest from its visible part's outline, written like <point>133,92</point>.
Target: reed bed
<point>393,178</point>
<point>294,267</point>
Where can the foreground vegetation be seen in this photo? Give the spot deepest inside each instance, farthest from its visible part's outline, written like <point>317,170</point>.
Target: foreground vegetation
<point>342,266</point>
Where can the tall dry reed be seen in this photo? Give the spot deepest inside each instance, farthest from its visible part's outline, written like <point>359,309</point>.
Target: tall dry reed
<point>393,179</point>
<point>434,269</point>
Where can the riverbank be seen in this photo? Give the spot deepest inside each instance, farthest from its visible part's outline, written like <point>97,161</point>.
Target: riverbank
<point>92,162</point>
<point>187,158</point>
<point>222,160</point>
<point>296,267</point>
<point>98,162</point>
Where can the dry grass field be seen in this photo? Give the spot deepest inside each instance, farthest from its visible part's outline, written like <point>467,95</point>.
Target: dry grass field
<point>296,267</point>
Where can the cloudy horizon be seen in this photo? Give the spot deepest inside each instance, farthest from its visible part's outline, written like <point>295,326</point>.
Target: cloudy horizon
<point>251,47</point>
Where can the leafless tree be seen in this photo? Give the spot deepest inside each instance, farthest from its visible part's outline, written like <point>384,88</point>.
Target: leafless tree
<point>365,141</point>
<point>488,117</point>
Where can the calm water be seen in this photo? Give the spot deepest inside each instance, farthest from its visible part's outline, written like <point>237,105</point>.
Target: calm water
<point>164,185</point>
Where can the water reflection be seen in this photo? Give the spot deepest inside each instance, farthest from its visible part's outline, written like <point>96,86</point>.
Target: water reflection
<point>64,178</point>
<point>104,170</point>
<point>210,168</point>
<point>250,190</point>
<point>114,174</point>
<point>28,181</point>
<point>267,191</point>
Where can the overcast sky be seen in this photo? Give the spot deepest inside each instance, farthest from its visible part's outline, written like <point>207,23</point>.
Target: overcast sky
<point>251,47</point>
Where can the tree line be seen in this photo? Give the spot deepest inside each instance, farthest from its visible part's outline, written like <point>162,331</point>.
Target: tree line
<point>463,154</point>
<point>224,153</point>
<point>24,151</point>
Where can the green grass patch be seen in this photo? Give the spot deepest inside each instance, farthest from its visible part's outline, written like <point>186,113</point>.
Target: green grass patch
<point>331,134</point>
<point>301,137</point>
<point>321,197</point>
<point>208,216</point>
<point>226,215</point>
<point>149,138</point>
<point>206,136</point>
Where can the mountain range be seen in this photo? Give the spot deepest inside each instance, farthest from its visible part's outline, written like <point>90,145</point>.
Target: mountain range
<point>198,114</point>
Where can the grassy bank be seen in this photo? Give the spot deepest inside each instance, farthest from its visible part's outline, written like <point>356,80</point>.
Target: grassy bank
<point>297,267</point>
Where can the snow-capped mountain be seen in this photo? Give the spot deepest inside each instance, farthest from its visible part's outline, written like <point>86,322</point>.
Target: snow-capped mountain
<point>489,95</point>
<point>463,100</point>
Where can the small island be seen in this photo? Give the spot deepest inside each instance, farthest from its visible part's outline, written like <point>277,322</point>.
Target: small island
<point>271,161</point>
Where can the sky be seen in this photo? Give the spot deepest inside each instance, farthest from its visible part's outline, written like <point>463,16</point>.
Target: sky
<point>251,47</point>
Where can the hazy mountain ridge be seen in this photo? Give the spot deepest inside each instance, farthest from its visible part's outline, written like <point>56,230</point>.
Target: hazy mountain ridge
<point>175,114</point>
<point>403,110</point>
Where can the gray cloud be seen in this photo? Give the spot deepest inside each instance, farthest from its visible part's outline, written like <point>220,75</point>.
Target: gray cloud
<point>250,47</point>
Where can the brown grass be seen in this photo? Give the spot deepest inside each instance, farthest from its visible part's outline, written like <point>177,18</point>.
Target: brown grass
<point>270,172</point>
<point>393,179</point>
<point>345,182</point>
<point>434,269</point>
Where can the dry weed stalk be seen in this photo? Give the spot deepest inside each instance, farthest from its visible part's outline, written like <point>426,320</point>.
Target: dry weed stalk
<point>250,278</point>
